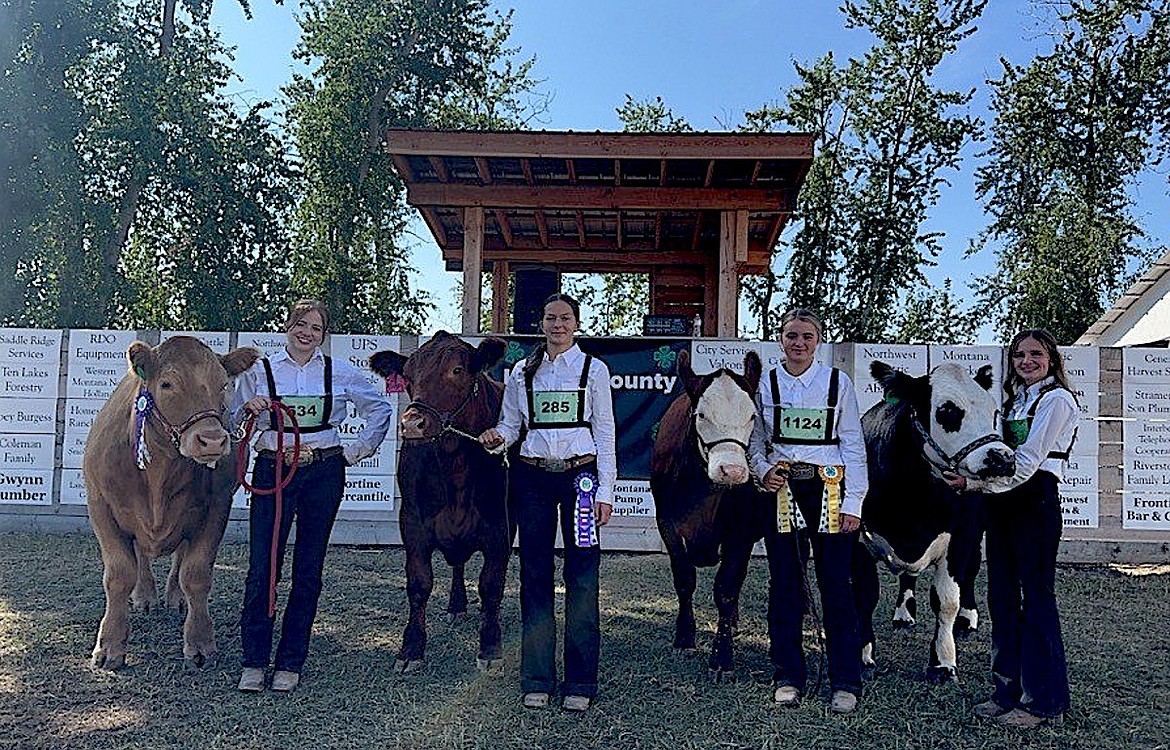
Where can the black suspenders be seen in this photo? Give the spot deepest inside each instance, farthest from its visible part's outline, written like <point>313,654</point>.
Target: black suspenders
<point>1062,455</point>
<point>830,413</point>
<point>326,410</point>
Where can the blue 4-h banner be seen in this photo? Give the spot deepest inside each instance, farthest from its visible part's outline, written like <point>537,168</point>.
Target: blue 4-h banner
<point>644,380</point>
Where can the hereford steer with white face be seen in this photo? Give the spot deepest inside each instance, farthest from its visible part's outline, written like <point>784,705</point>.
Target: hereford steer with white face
<point>943,421</point>
<point>707,510</point>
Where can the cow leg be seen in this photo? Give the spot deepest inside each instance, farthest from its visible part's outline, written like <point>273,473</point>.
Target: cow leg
<point>728,583</point>
<point>968,620</point>
<point>196,561</point>
<point>866,592</point>
<point>420,580</point>
<point>906,608</point>
<point>145,594</point>
<point>684,575</point>
<point>457,602</point>
<point>174,591</point>
<point>491,594</point>
<point>944,600</point>
<point>118,577</point>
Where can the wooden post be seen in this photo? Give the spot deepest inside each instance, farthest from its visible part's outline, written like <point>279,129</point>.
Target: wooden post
<point>472,266</point>
<point>728,291</point>
<point>500,275</point>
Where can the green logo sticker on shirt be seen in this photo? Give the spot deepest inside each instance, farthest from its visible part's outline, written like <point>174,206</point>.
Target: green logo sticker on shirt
<point>555,407</point>
<point>309,410</point>
<point>1015,432</point>
<point>802,424</point>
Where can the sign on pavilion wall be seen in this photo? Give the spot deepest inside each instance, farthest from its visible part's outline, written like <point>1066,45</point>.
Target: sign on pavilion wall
<point>1145,500</point>
<point>30,367</point>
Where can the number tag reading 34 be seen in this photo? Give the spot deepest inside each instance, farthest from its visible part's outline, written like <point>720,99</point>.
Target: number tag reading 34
<point>309,410</point>
<point>802,424</point>
<point>555,407</point>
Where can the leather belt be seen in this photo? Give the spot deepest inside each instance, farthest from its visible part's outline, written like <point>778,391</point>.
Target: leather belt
<point>801,470</point>
<point>305,457</point>
<point>558,465</point>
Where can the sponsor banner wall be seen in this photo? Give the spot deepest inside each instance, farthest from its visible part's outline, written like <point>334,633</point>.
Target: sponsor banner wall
<point>1080,490</point>
<point>1145,502</point>
<point>909,358</point>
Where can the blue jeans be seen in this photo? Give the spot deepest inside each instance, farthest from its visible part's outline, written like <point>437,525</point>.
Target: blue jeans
<point>312,498</point>
<point>787,563</point>
<point>1027,658</point>
<point>539,495</point>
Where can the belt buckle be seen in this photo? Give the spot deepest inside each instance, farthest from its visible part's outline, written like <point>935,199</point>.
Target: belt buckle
<point>304,458</point>
<point>801,471</point>
<point>555,465</point>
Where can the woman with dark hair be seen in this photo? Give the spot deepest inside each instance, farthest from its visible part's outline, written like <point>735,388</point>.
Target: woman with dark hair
<point>807,447</point>
<point>319,390</point>
<point>1023,531</point>
<point>568,464</point>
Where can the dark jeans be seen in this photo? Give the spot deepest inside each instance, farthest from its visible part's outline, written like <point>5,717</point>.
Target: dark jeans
<point>787,563</point>
<point>312,498</point>
<point>1027,662</point>
<point>538,496</point>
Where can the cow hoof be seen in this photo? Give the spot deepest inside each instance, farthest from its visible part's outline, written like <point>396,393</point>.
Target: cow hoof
<point>489,665</point>
<point>942,675</point>
<point>904,624</point>
<point>201,661</point>
<point>142,605</point>
<point>869,670</point>
<point>102,660</point>
<point>408,666</point>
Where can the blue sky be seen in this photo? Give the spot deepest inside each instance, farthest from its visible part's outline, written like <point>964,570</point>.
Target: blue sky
<point>710,61</point>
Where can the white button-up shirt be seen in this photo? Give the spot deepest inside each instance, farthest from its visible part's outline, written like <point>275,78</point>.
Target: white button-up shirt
<point>810,390</point>
<point>1052,431</point>
<point>292,379</point>
<point>564,374</point>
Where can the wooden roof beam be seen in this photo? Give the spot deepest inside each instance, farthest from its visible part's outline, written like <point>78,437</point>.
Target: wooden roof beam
<point>404,171</point>
<point>599,198</point>
<point>698,228</point>
<point>756,172</point>
<point>619,229</point>
<point>568,145</point>
<point>580,228</point>
<point>440,167</point>
<point>526,167</point>
<point>432,219</point>
<point>617,172</point>
<point>657,229</point>
<point>542,227</point>
<point>710,174</point>
<point>662,172</point>
<point>485,171</point>
<point>505,227</point>
<point>571,170</point>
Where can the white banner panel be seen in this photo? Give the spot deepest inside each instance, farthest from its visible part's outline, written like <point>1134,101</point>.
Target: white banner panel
<point>1146,449</point>
<point>632,499</point>
<point>1082,364</point>
<point>1078,492</point>
<point>28,415</point>
<point>1147,509</point>
<point>26,380</point>
<point>72,487</point>
<point>79,415</point>
<point>1145,365</point>
<point>27,451</point>
<point>217,341</point>
<point>30,346</point>
<point>909,358</point>
<point>97,362</point>
<point>368,492</point>
<point>26,487</point>
<point>357,350</point>
<point>267,343</point>
<point>709,355</point>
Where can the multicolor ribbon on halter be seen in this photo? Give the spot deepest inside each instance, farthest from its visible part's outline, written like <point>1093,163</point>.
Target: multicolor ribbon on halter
<point>143,406</point>
<point>583,520</point>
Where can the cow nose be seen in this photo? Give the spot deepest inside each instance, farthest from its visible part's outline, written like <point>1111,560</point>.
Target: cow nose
<point>733,474</point>
<point>1000,463</point>
<point>413,425</point>
<point>212,443</point>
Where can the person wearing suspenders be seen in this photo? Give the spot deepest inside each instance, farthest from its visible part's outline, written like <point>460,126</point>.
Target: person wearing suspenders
<point>1024,525</point>
<point>319,390</point>
<point>807,447</point>
<point>568,463</point>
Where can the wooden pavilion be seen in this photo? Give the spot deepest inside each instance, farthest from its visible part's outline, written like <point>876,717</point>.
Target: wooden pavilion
<point>695,211</point>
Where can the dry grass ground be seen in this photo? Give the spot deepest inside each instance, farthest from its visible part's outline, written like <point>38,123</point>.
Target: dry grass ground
<point>50,603</point>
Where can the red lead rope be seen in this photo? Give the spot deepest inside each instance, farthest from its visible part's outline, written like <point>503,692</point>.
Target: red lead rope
<point>280,411</point>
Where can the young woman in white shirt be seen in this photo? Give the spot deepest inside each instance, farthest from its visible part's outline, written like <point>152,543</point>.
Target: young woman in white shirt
<point>567,466</point>
<point>1024,524</point>
<point>807,447</point>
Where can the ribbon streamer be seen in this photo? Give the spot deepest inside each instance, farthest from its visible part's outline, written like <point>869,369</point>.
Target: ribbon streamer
<point>143,406</point>
<point>584,522</point>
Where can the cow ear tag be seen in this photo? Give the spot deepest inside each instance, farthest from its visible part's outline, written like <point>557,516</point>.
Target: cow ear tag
<point>141,373</point>
<point>890,398</point>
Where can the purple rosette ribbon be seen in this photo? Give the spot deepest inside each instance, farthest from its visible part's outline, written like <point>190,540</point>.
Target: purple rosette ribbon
<point>584,522</point>
<point>143,405</point>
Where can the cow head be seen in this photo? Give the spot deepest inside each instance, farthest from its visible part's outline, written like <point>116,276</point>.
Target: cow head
<point>440,378</point>
<point>723,410</point>
<point>189,385</point>
<point>955,415</point>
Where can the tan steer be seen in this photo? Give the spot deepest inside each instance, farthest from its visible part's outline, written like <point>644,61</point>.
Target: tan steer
<point>159,475</point>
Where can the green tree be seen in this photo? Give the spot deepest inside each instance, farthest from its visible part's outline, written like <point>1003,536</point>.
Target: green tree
<point>886,135</point>
<point>1073,130</point>
<point>379,64</point>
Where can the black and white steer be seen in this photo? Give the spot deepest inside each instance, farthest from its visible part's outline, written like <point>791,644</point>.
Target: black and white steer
<point>945,420</point>
<point>707,511</point>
